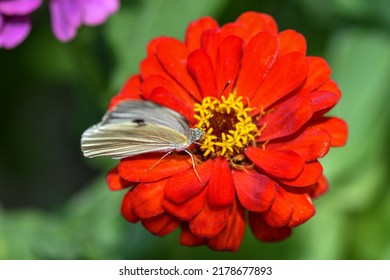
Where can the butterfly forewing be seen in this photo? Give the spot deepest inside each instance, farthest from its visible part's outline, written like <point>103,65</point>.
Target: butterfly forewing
<point>136,127</point>
<point>140,112</point>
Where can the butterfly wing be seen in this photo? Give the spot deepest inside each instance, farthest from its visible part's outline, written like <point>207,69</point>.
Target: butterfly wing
<point>141,111</point>
<point>135,128</point>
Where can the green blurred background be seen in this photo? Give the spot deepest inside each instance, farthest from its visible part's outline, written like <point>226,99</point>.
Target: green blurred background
<point>54,204</point>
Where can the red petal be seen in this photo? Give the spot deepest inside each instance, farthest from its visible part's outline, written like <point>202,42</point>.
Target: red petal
<point>152,66</point>
<point>288,118</point>
<point>311,144</point>
<point>129,91</point>
<point>228,63</point>
<point>251,23</point>
<point>138,168</point>
<point>209,43</point>
<point>115,182</point>
<point>196,29</point>
<point>147,199</point>
<point>256,192</point>
<point>188,209</point>
<point>163,97</point>
<point>258,58</point>
<point>209,221</point>
<point>291,41</point>
<point>281,211</point>
<point>127,209</point>
<point>155,81</point>
<point>161,225</point>
<point>279,163</point>
<point>319,188</point>
<point>187,238</point>
<point>201,70</point>
<point>309,176</point>
<point>173,56</point>
<point>287,73</point>
<point>182,186</point>
<point>229,239</point>
<point>220,188</point>
<point>319,73</point>
<point>153,44</point>
<point>264,232</point>
<point>336,127</point>
<point>303,206</point>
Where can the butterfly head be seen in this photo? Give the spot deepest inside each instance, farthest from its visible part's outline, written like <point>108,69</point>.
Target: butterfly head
<point>196,134</point>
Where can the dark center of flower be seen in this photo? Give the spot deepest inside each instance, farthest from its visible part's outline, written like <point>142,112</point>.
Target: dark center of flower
<point>227,125</point>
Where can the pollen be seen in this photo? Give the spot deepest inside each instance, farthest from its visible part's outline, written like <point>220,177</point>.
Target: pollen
<point>227,125</point>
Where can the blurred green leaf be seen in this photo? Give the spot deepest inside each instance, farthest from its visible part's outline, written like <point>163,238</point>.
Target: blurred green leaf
<point>360,60</point>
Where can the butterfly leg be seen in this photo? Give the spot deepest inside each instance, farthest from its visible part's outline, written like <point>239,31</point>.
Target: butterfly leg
<point>157,162</point>
<point>193,165</point>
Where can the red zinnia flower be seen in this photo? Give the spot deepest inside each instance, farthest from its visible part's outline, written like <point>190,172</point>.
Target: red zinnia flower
<point>263,138</point>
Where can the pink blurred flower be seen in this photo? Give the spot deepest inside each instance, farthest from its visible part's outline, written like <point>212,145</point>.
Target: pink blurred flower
<point>68,15</point>
<point>15,23</point>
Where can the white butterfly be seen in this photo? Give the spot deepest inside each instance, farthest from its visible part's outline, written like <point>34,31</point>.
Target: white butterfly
<point>137,127</point>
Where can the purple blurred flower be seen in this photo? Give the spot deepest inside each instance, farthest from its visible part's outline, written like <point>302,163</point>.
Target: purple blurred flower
<point>14,21</point>
<point>68,15</point>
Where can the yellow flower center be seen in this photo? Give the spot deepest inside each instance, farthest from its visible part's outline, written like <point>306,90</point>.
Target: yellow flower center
<point>227,125</point>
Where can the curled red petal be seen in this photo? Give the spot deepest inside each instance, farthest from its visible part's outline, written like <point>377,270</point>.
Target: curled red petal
<point>209,221</point>
<point>331,86</point>
<point>161,225</point>
<point>228,63</point>
<point>323,101</point>
<point>256,192</point>
<point>129,91</point>
<point>337,128</point>
<point>229,239</point>
<point>195,31</point>
<point>172,54</point>
<point>187,238</point>
<point>287,73</point>
<point>281,211</point>
<point>288,118</point>
<point>309,175</point>
<point>147,199</point>
<point>311,144</point>
<point>201,70</point>
<point>168,99</point>
<point>139,168</point>
<point>115,182</point>
<point>262,231</point>
<point>182,186</point>
<point>319,188</point>
<point>189,208</point>
<point>319,73</point>
<point>278,163</point>
<point>258,57</point>
<point>220,188</point>
<point>127,209</point>
<point>291,41</point>
<point>303,206</point>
